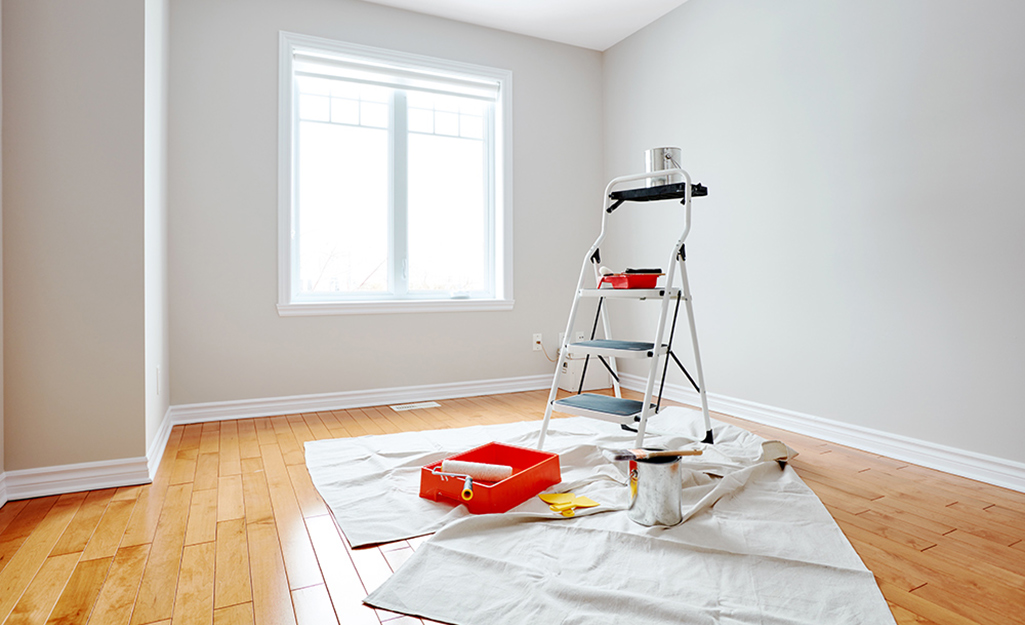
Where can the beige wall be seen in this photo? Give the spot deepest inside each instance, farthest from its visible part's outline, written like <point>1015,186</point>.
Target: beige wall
<point>860,254</point>
<point>73,231</point>
<point>227,340</point>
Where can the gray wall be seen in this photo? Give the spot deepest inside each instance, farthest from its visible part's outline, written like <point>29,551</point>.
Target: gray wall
<point>155,218</point>
<point>1,256</point>
<point>228,342</point>
<point>73,231</point>
<point>860,254</point>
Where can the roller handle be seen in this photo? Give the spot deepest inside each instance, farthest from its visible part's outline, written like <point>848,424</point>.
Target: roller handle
<point>670,453</point>
<point>467,493</point>
<point>617,455</point>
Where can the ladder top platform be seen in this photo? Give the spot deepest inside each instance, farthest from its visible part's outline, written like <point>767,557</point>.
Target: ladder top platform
<point>673,191</point>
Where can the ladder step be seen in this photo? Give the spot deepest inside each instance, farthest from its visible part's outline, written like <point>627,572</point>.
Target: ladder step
<point>619,349</point>
<point>657,293</point>
<point>601,406</point>
<point>638,346</point>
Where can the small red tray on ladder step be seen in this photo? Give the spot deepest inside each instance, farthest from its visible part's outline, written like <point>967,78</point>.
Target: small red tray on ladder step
<point>633,279</point>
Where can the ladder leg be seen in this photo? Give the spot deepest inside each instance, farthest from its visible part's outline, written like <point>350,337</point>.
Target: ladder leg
<point>551,398</point>
<point>607,330</point>
<point>558,366</point>
<point>697,354</point>
<point>649,386</point>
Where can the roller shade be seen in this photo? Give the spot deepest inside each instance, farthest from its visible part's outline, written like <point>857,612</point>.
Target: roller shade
<point>306,64</point>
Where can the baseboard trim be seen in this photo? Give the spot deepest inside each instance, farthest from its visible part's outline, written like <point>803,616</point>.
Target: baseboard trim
<point>72,478</point>
<point>156,448</point>
<point>976,466</point>
<point>271,406</point>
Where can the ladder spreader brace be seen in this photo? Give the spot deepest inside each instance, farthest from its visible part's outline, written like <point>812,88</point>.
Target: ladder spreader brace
<point>630,413</point>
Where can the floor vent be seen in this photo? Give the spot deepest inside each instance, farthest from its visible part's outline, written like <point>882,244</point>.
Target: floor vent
<point>417,406</point>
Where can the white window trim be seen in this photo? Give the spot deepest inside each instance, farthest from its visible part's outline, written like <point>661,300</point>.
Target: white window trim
<point>503,218</point>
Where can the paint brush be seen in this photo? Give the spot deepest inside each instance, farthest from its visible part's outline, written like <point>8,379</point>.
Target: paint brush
<point>617,455</point>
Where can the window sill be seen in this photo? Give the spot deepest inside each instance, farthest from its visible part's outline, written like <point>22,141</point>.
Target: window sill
<point>310,309</point>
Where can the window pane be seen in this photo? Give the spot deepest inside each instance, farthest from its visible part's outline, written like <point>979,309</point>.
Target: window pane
<point>471,126</point>
<point>315,107</point>
<point>447,215</point>
<point>345,111</point>
<point>343,208</point>
<point>421,120</point>
<point>373,114</point>
<point>446,123</point>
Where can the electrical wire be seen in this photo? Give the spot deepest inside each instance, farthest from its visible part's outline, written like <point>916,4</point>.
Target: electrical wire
<point>545,352</point>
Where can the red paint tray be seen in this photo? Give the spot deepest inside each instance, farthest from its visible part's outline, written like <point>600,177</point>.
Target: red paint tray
<point>631,280</point>
<point>533,471</point>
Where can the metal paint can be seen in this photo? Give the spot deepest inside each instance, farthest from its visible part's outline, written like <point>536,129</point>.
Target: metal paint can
<point>658,159</point>
<point>656,491</point>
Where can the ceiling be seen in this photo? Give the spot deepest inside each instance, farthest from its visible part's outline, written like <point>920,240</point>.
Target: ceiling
<point>594,24</point>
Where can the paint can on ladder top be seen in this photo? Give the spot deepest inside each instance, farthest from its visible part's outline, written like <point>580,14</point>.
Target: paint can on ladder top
<point>660,159</point>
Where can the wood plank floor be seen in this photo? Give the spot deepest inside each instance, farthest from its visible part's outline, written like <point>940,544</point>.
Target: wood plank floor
<point>232,531</point>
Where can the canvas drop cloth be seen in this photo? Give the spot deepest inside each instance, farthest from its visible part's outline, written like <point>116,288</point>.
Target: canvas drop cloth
<point>756,545</point>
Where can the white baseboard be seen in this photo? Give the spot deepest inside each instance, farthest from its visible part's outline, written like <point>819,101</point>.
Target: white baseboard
<point>156,447</point>
<point>72,478</point>
<point>270,406</point>
<point>976,466</point>
<point>124,472</point>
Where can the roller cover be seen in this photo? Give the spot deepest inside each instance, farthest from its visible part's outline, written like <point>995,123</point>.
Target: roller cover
<point>477,470</point>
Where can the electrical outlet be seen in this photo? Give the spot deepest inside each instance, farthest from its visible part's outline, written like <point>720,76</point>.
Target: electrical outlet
<point>537,342</point>
<point>580,336</point>
<point>562,339</point>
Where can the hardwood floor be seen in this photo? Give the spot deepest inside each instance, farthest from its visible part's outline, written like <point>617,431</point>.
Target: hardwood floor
<point>232,531</point>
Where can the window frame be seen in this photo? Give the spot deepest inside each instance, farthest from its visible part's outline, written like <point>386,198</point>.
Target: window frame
<point>501,179</point>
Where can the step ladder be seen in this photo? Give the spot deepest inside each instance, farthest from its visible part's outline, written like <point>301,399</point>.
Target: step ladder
<point>631,414</point>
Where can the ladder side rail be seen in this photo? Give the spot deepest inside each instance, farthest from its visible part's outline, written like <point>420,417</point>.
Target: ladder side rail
<point>688,189</point>
<point>567,335</point>
<point>678,257</point>
<point>607,332</point>
<point>697,353</point>
<point>669,353</point>
<point>615,182</point>
<point>649,385</point>
<point>587,357</point>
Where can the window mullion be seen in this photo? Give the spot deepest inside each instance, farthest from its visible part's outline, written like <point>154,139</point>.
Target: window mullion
<point>399,168</point>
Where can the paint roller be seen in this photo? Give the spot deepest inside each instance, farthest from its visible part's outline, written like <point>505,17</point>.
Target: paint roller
<point>471,471</point>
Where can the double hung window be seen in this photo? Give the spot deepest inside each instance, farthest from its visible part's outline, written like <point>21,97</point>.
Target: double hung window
<point>394,176</point>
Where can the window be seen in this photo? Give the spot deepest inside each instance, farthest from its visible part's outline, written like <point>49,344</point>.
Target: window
<point>394,182</point>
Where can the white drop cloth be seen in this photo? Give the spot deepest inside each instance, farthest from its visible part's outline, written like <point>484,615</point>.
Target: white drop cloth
<point>372,483</point>
<point>756,546</point>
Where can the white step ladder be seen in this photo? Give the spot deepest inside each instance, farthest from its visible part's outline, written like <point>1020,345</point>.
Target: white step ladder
<point>632,414</point>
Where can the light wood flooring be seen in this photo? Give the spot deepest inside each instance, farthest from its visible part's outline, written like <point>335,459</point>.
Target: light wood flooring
<point>232,531</point>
